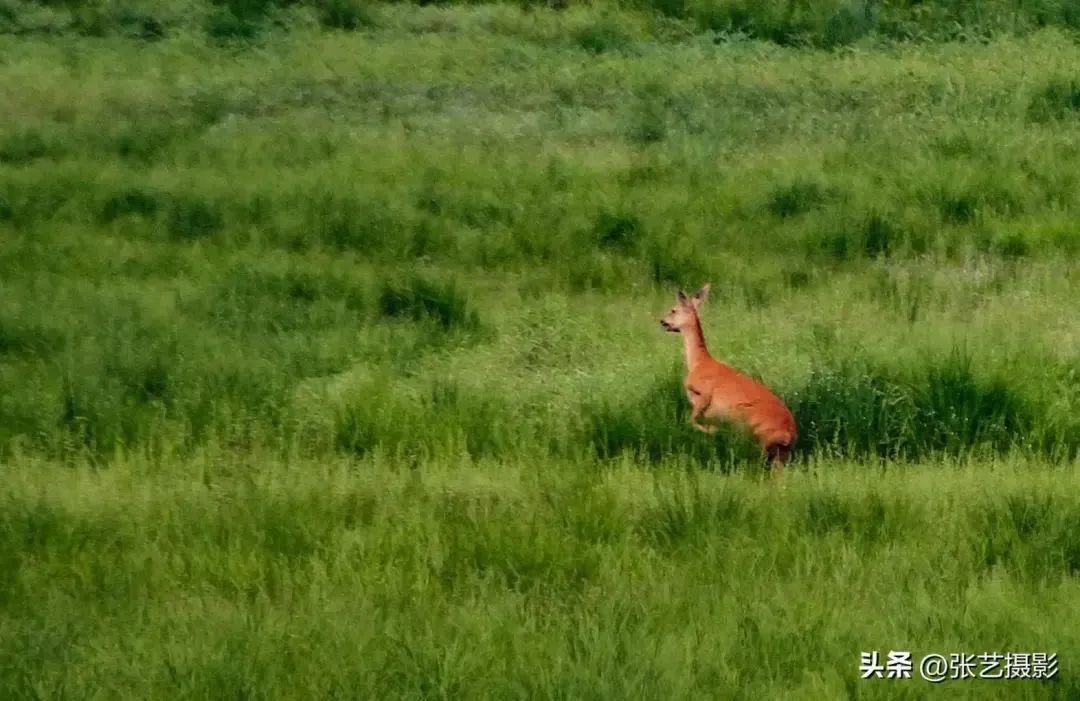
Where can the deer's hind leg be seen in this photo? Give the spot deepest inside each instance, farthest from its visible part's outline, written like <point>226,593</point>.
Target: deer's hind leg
<point>778,455</point>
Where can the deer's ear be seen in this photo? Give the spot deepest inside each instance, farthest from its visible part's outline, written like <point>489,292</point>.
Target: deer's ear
<point>702,294</point>
<point>682,297</point>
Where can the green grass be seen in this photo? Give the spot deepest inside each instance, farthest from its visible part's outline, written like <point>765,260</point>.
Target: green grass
<point>330,579</point>
<point>330,364</point>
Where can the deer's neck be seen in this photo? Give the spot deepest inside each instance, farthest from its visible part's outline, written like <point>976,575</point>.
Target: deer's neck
<point>694,342</point>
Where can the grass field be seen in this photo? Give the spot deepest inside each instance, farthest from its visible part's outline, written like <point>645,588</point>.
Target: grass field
<point>330,364</point>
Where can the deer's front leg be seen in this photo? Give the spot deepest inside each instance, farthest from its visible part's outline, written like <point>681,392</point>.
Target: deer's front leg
<point>698,404</point>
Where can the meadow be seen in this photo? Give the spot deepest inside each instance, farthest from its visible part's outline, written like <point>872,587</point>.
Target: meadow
<point>330,364</point>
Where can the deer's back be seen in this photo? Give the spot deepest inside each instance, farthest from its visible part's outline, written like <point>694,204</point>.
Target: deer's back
<point>738,397</point>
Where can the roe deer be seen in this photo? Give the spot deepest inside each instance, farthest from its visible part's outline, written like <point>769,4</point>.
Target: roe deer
<point>719,392</point>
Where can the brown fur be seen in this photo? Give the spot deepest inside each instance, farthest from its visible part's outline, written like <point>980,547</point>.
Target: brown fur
<point>718,392</point>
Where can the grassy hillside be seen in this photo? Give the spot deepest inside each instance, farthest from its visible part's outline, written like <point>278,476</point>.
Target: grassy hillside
<point>328,335</point>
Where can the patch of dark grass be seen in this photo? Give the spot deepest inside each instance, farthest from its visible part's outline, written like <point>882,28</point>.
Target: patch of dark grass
<point>285,527</point>
<point>958,208</point>
<point>1013,246</point>
<point>880,236</point>
<point>225,24</point>
<point>27,412</point>
<point>144,27</point>
<point>798,279</point>
<point>435,197</point>
<point>117,401</point>
<point>945,408</point>
<point>9,15</point>
<point>619,232</point>
<point>247,299</point>
<point>827,512</point>
<point>1057,100</point>
<point>847,24</point>
<point>101,20</point>
<point>668,8</point>
<point>602,36</point>
<point>133,383</point>
<point>908,300</point>
<point>192,219</point>
<point>798,197</point>
<point>347,15</point>
<point>649,124</point>
<point>130,202</point>
<point>23,147</point>
<point>831,25</point>
<point>420,298</point>
<point>209,106</point>
<point>244,20</point>
<point>595,271</point>
<point>957,410</point>
<point>364,224</point>
<point>26,340</point>
<point>967,206</point>
<point>674,261</point>
<point>756,292</point>
<point>956,146</point>
<point>788,24</point>
<point>650,113</point>
<point>870,235</point>
<point>142,141</point>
